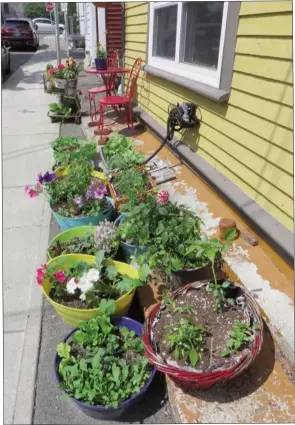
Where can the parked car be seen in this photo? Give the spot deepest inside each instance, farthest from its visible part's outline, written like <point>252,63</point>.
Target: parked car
<point>46,26</point>
<point>20,32</point>
<point>5,60</point>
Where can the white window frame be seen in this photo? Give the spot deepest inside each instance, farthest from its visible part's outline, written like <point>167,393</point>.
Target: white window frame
<point>200,74</point>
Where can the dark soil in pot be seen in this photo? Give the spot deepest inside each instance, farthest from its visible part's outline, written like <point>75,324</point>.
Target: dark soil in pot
<point>218,326</point>
<point>63,206</point>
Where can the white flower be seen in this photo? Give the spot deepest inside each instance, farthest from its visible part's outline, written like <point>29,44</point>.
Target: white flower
<point>85,284</point>
<point>71,286</point>
<point>93,275</point>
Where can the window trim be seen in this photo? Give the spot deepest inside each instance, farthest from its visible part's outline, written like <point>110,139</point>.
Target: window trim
<point>221,78</point>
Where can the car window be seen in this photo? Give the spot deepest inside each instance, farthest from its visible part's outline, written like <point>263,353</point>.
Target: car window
<point>16,24</point>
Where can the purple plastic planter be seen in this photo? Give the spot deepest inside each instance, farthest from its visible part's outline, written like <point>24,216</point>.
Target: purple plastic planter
<point>101,412</point>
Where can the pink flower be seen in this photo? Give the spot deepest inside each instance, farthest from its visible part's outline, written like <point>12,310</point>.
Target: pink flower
<point>51,71</point>
<point>27,188</point>
<point>60,66</point>
<point>32,193</point>
<point>40,274</point>
<point>60,276</point>
<point>163,197</point>
<point>40,187</point>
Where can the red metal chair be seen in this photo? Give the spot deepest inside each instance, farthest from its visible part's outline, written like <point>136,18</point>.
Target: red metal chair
<point>126,100</point>
<point>112,62</point>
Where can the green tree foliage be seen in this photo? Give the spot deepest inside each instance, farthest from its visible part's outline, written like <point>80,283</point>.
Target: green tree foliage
<point>35,10</point>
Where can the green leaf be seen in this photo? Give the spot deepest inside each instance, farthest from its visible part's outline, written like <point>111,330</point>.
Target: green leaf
<point>194,357</point>
<point>230,234</point>
<point>112,272</point>
<point>115,372</point>
<point>99,257</point>
<point>127,283</point>
<point>216,292</point>
<point>211,254</point>
<point>225,353</point>
<point>226,284</point>
<point>96,360</point>
<point>107,307</point>
<point>230,301</point>
<point>176,264</point>
<point>63,350</point>
<point>230,343</point>
<point>143,272</point>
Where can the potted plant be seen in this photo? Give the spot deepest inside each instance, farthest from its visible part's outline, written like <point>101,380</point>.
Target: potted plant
<point>107,355</point>
<point>119,154</point>
<point>131,184</point>
<point>68,149</point>
<point>101,57</point>
<point>86,240</point>
<point>58,75</point>
<point>77,196</point>
<point>80,286</point>
<point>204,333</point>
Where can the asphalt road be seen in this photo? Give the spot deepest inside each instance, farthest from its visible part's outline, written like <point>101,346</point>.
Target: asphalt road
<point>19,56</point>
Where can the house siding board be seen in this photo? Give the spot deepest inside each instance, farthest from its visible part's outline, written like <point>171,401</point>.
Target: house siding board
<point>249,139</point>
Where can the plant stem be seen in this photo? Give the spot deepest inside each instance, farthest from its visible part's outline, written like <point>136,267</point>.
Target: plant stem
<point>211,349</point>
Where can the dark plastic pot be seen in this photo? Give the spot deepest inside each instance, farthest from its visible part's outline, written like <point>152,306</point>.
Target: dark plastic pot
<point>100,64</point>
<point>101,412</point>
<point>184,277</point>
<point>128,249</point>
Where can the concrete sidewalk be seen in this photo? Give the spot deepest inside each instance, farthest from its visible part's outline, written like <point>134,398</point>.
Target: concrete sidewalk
<point>26,135</point>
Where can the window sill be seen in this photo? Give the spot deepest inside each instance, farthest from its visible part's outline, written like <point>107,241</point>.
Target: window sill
<point>213,93</point>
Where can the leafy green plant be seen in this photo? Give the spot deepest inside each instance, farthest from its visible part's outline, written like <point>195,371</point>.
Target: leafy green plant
<point>61,109</point>
<point>117,145</point>
<point>68,149</point>
<point>212,250</point>
<point>131,183</point>
<point>126,160</point>
<point>187,341</point>
<point>171,305</point>
<point>102,364</point>
<point>240,335</point>
<point>165,230</point>
<point>100,51</point>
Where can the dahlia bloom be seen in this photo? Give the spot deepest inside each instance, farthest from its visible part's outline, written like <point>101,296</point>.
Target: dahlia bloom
<point>163,197</point>
<point>60,66</point>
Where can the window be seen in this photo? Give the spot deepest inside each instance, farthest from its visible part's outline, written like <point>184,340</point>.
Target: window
<point>188,39</point>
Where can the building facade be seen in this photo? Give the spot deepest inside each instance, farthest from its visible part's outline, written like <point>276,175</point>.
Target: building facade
<point>234,60</point>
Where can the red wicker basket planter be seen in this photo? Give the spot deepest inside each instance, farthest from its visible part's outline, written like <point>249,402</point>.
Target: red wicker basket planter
<point>203,380</point>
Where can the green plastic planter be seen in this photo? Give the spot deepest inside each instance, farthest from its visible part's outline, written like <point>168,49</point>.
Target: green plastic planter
<point>68,235</point>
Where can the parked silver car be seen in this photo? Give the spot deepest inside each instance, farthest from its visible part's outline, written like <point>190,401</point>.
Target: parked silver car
<point>45,26</point>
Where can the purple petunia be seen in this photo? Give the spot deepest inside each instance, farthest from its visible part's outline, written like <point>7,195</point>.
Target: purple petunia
<point>47,178</point>
<point>88,195</point>
<point>78,200</point>
<point>97,189</point>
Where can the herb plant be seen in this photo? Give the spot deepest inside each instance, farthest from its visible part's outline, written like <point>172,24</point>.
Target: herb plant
<point>171,305</point>
<point>120,154</point>
<point>131,183</point>
<point>240,335</point>
<point>100,51</point>
<point>212,250</point>
<point>187,341</point>
<point>68,149</point>
<point>102,364</point>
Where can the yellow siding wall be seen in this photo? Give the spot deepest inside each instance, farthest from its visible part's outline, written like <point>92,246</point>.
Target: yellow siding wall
<point>250,138</point>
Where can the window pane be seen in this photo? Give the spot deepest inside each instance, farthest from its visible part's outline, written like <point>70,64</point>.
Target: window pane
<point>201,32</point>
<point>165,32</point>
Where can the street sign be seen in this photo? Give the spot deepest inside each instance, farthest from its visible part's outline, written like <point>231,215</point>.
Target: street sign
<point>49,7</point>
<point>64,7</point>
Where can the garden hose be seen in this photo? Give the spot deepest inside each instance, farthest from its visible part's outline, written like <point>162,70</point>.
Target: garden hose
<point>179,117</point>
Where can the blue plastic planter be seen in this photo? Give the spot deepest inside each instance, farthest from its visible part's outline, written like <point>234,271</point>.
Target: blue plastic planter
<point>128,249</point>
<point>66,223</point>
<point>100,64</point>
<point>101,412</point>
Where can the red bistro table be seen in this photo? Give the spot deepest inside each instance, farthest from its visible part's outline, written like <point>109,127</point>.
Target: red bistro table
<point>109,76</point>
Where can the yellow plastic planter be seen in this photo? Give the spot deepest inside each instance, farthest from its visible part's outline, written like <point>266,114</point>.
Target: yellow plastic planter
<point>72,316</point>
<point>63,171</point>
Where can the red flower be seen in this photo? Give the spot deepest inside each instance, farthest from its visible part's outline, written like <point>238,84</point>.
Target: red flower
<point>40,274</point>
<point>60,276</point>
<point>51,71</point>
<point>163,197</point>
<point>61,66</point>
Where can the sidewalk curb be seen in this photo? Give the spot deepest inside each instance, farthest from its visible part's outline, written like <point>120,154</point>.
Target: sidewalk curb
<point>25,397</point>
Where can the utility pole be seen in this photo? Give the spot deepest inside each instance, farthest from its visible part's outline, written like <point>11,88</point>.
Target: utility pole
<point>56,15</point>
